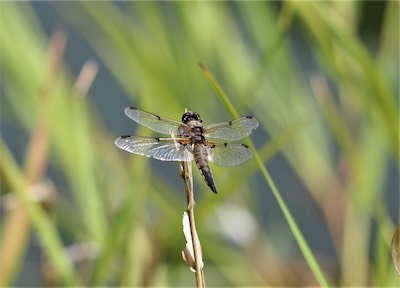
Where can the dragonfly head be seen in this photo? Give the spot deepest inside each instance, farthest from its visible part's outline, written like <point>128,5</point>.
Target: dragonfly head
<point>190,116</point>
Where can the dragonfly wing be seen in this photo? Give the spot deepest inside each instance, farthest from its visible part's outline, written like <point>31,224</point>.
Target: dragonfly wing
<point>165,149</point>
<point>232,130</point>
<point>153,121</point>
<point>228,154</point>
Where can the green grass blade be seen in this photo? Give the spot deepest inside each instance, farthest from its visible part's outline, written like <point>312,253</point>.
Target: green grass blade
<point>304,247</point>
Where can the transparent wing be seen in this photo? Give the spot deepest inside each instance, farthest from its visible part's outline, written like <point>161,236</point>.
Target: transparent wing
<point>232,130</point>
<point>165,149</point>
<point>154,122</point>
<point>228,154</point>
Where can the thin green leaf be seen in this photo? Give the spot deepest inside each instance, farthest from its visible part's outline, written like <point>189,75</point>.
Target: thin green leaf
<point>304,247</point>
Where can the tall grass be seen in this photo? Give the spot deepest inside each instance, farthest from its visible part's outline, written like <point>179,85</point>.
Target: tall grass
<point>327,102</point>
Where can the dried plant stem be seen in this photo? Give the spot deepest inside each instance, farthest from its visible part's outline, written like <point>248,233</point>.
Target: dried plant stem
<point>186,174</point>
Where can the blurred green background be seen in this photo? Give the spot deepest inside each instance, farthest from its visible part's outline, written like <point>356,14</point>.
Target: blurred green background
<point>322,78</point>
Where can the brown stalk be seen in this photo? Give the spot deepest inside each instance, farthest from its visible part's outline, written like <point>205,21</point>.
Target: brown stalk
<point>197,266</point>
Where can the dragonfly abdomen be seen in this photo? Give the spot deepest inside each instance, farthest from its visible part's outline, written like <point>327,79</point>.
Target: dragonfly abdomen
<point>200,157</point>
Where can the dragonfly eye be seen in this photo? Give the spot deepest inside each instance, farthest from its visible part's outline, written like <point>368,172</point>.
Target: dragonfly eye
<point>189,116</point>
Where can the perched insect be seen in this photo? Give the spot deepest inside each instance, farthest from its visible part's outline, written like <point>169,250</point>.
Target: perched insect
<point>190,140</point>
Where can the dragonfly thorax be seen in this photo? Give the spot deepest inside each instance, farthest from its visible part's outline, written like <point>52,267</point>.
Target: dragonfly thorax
<point>197,131</point>
<point>194,126</point>
<point>197,138</point>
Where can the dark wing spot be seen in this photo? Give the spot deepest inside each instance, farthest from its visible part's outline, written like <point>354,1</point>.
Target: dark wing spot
<point>249,117</point>
<point>125,136</point>
<point>245,146</point>
<point>158,139</point>
<point>212,146</point>
<point>133,108</point>
<point>225,144</point>
<point>230,123</point>
<point>159,118</point>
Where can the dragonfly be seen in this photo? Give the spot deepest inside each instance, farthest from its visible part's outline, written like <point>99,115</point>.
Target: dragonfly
<point>190,140</point>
